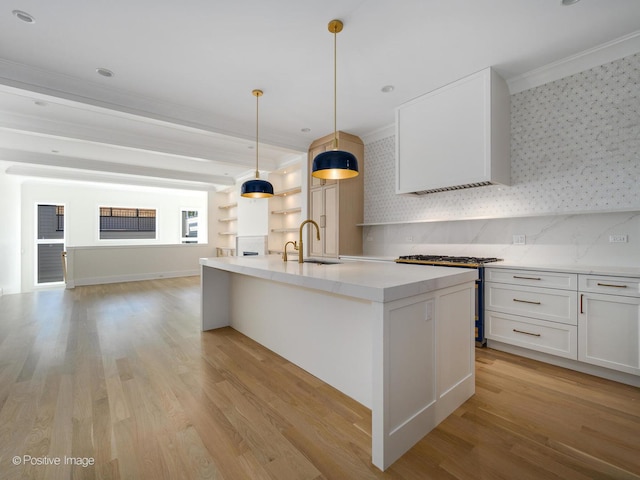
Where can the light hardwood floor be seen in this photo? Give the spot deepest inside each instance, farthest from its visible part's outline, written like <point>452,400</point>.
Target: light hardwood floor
<point>121,374</point>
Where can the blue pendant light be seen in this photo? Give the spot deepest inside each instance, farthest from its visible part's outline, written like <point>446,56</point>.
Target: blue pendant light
<point>335,164</point>
<point>256,188</point>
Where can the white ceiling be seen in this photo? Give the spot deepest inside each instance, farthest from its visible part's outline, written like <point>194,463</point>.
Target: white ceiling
<point>179,109</point>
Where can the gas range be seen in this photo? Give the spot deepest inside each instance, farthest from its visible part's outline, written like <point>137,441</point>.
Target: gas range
<point>447,261</point>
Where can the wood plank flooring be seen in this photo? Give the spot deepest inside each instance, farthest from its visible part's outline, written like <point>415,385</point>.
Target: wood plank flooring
<point>121,376</point>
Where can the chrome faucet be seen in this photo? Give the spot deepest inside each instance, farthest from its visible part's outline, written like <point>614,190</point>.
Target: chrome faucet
<point>300,249</point>
<point>284,254</point>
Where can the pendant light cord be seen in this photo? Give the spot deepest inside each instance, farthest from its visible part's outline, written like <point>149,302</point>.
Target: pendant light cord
<point>257,107</point>
<point>335,89</point>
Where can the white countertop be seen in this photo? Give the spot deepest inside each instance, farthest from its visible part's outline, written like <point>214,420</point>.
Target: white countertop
<point>581,269</point>
<point>374,281</point>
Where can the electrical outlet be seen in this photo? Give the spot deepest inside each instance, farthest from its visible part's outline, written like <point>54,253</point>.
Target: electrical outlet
<point>617,239</point>
<point>410,238</point>
<point>519,240</point>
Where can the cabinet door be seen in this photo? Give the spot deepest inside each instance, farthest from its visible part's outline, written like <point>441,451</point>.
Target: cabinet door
<point>316,211</point>
<point>609,331</point>
<point>329,223</point>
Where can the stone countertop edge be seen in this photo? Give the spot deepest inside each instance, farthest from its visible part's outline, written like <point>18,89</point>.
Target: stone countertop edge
<point>372,281</point>
<point>578,269</point>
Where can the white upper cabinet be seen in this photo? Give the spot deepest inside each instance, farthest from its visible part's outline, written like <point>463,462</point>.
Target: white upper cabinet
<point>455,137</point>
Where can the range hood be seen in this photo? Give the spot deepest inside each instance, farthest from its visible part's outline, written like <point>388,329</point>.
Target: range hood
<point>455,137</point>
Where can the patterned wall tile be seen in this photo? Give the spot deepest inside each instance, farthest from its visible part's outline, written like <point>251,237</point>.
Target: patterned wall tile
<point>575,147</point>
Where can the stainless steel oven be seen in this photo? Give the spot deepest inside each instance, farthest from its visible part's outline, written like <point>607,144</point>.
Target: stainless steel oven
<point>466,262</point>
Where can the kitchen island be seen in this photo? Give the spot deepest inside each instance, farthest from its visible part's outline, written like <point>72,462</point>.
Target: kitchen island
<point>397,338</point>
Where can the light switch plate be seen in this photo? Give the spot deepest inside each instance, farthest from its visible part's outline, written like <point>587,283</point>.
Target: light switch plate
<point>617,239</point>
<point>519,239</point>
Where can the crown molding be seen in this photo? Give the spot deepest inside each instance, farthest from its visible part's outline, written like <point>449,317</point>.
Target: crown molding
<point>594,57</point>
<point>379,134</point>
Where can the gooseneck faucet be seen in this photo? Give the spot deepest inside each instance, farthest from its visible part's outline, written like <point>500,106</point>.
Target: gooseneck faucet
<point>300,249</point>
<point>284,254</point>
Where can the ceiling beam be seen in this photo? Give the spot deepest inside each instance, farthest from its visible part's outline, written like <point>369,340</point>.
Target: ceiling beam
<point>111,167</point>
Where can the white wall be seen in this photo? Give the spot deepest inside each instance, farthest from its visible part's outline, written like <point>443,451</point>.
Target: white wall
<point>10,238</point>
<point>82,201</point>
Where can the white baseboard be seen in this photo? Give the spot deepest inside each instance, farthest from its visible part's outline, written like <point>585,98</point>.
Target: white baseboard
<point>594,370</point>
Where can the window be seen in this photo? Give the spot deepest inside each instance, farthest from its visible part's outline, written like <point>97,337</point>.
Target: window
<point>127,223</point>
<point>189,226</point>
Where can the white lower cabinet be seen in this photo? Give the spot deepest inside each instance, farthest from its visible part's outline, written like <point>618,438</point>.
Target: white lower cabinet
<point>534,310</point>
<point>609,322</point>
<point>593,319</point>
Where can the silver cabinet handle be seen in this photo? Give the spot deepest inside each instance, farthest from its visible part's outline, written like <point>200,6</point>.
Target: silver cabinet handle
<point>526,301</point>
<point>611,285</point>
<point>527,333</point>
<point>526,278</point>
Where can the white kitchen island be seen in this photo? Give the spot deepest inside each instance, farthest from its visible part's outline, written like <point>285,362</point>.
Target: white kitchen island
<point>397,338</point>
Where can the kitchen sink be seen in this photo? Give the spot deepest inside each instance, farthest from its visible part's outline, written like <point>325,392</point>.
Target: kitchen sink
<point>322,261</point>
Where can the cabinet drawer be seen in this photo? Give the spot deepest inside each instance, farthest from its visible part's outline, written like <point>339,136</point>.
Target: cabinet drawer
<point>541,303</point>
<point>548,337</point>
<point>625,286</point>
<point>533,278</point>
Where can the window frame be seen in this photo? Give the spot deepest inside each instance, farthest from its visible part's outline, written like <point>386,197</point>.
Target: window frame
<point>198,237</point>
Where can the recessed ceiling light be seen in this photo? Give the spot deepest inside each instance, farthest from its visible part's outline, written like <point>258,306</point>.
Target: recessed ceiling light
<point>24,16</point>
<point>105,72</point>
<point>569,2</point>
<point>387,89</point>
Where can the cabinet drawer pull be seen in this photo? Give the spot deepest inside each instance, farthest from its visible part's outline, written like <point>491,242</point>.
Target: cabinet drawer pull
<point>611,285</point>
<point>527,333</point>
<point>526,301</point>
<point>526,278</point>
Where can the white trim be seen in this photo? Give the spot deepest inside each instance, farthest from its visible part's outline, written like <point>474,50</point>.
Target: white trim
<point>379,134</point>
<point>594,57</point>
<point>576,365</point>
<point>499,217</point>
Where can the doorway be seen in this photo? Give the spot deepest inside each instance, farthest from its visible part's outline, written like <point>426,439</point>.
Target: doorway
<point>50,244</point>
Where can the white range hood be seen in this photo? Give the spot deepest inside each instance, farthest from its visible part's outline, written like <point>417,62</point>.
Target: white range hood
<point>455,137</point>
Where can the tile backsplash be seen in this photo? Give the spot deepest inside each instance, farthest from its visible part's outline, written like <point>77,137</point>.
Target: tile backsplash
<point>575,157</point>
